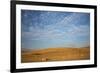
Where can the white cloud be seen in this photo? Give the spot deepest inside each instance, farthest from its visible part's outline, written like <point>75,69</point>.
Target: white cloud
<point>59,30</point>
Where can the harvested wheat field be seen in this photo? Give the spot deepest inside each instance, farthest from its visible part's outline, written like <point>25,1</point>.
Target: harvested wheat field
<point>55,54</point>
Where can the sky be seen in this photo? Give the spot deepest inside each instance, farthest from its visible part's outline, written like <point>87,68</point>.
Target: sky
<point>50,29</point>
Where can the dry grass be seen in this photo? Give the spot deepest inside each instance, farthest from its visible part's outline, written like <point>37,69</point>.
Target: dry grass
<point>55,54</point>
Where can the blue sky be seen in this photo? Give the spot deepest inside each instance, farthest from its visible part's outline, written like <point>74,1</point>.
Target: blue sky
<point>47,29</point>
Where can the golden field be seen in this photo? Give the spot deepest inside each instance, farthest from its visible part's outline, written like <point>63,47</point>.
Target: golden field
<point>55,54</point>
